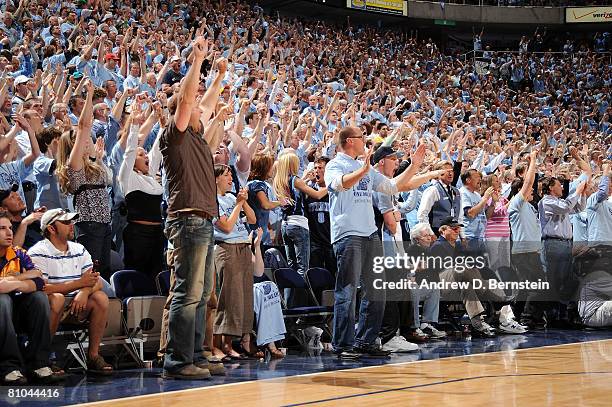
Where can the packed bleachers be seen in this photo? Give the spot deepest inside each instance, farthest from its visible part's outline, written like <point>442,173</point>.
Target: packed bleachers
<point>187,138</point>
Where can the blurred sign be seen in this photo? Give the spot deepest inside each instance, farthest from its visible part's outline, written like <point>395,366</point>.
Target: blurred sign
<point>601,14</point>
<point>398,7</point>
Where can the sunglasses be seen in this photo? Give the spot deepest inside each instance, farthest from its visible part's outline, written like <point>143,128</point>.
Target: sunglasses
<point>362,137</point>
<point>64,222</point>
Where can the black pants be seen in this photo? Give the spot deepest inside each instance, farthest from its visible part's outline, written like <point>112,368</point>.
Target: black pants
<point>529,267</point>
<point>398,315</point>
<point>143,248</point>
<point>28,313</point>
<point>96,237</point>
<point>323,256</point>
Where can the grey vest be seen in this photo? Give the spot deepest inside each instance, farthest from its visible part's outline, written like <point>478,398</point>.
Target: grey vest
<point>443,207</point>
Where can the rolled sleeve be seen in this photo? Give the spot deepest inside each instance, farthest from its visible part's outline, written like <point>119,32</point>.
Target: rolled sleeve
<point>383,184</point>
<point>333,177</point>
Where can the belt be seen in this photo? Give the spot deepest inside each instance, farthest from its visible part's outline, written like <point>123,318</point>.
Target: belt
<point>200,214</point>
<point>556,238</point>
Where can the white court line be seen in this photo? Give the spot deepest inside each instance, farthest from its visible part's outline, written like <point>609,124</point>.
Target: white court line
<point>204,388</point>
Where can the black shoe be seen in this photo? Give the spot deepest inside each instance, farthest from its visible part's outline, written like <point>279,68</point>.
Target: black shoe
<point>373,353</point>
<point>349,355</point>
<point>417,336</point>
<point>485,333</point>
<point>45,375</point>
<point>533,325</point>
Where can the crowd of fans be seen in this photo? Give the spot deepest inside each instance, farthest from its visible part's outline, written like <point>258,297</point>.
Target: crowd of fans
<point>321,136</point>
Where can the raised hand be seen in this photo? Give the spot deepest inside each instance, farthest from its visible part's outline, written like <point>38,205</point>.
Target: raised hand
<point>489,192</point>
<point>200,48</point>
<point>366,161</point>
<point>418,156</point>
<point>221,65</point>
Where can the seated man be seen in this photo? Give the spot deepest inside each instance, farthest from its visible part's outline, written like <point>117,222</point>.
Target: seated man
<point>447,245</point>
<point>22,301</point>
<point>422,236</point>
<point>68,269</point>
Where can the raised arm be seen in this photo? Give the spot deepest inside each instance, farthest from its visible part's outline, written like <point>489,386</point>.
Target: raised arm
<point>211,97</point>
<point>75,161</point>
<point>189,87</point>
<point>34,150</point>
<point>530,174</point>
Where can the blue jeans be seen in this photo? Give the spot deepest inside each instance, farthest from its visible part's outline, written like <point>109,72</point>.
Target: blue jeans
<point>355,259</point>
<point>192,238</point>
<point>297,246</point>
<point>431,305</point>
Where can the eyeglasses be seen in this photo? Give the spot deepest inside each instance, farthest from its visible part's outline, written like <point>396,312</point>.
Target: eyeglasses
<point>362,137</point>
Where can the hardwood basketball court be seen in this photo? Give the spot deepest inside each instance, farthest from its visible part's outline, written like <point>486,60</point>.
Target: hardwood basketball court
<point>576,374</point>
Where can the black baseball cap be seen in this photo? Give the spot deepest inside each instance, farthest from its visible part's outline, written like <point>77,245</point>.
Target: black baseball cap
<point>382,152</point>
<point>450,221</point>
<point>4,193</point>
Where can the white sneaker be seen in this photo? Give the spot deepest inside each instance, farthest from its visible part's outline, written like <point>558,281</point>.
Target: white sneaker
<point>43,372</point>
<point>14,376</point>
<point>511,327</point>
<point>432,331</point>
<point>487,326</point>
<point>399,344</point>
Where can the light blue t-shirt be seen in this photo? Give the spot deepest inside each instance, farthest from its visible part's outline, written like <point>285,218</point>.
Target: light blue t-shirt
<point>351,212</point>
<point>14,172</point>
<point>579,220</point>
<point>239,233</point>
<point>526,235</point>
<point>47,189</point>
<point>384,203</point>
<point>474,228</point>
<point>599,215</point>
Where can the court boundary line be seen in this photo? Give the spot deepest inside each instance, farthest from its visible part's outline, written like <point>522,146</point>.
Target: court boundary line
<point>174,392</point>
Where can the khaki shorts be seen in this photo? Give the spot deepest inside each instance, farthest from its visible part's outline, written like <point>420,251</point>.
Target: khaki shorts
<point>68,318</point>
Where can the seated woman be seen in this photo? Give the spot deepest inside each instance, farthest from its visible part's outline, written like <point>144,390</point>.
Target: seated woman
<point>269,321</point>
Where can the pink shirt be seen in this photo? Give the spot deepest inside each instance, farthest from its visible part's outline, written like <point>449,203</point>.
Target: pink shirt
<point>499,224</point>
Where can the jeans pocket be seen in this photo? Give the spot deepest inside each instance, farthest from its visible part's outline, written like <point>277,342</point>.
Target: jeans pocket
<point>173,231</point>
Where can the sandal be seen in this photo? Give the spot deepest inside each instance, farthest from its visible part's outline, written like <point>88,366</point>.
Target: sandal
<point>98,366</point>
<point>276,354</point>
<point>251,355</point>
<point>57,371</point>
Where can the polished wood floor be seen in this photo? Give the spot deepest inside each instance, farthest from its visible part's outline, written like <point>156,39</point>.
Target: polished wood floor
<point>574,375</point>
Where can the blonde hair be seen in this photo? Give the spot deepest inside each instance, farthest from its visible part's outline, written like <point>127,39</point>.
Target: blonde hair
<point>93,170</point>
<point>287,165</point>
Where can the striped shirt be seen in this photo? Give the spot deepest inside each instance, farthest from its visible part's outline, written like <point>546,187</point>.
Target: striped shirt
<point>499,224</point>
<point>57,266</point>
